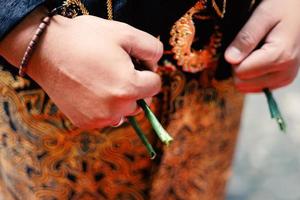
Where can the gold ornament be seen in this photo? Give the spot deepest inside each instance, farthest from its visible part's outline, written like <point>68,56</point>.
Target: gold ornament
<point>109,7</point>
<point>182,38</point>
<point>74,8</point>
<point>218,10</point>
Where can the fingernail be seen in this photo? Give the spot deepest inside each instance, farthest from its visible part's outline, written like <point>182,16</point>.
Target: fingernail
<point>234,54</point>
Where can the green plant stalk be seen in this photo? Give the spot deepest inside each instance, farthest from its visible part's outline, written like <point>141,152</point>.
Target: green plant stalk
<point>158,128</point>
<point>142,136</point>
<point>274,110</point>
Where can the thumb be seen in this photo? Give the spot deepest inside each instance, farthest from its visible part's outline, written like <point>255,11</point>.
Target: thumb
<point>257,27</point>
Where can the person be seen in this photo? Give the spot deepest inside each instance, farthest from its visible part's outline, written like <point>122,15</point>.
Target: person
<point>56,142</point>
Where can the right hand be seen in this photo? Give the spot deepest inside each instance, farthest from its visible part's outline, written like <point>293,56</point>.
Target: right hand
<point>84,65</point>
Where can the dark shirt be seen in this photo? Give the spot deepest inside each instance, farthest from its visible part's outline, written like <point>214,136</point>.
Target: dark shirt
<point>153,16</point>
<point>13,11</point>
<point>151,13</point>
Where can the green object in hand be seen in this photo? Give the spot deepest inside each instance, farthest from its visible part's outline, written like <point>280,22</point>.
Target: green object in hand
<point>158,128</point>
<point>142,136</point>
<point>160,131</point>
<point>274,110</point>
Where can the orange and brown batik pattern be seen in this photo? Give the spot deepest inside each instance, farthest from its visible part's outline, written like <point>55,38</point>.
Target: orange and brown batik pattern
<point>42,156</point>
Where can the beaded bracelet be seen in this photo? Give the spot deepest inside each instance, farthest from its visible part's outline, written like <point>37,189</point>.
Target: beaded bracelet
<point>35,39</point>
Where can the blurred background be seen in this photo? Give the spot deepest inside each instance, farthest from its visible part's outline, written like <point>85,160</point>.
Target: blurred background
<point>267,162</point>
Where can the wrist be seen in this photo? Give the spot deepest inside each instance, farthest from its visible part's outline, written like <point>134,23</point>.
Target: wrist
<point>42,66</point>
<point>13,46</point>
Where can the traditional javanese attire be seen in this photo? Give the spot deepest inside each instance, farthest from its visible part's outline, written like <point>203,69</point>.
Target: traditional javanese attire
<point>43,156</point>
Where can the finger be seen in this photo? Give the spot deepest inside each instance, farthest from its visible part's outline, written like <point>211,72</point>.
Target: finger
<point>251,34</point>
<point>147,84</point>
<point>117,122</point>
<point>277,54</point>
<point>141,45</point>
<point>260,62</point>
<point>133,110</point>
<point>272,81</point>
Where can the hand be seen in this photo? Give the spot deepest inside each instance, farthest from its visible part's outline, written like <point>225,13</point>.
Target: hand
<point>84,65</point>
<point>276,24</point>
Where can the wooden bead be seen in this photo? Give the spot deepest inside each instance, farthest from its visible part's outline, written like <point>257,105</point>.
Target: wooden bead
<point>35,38</point>
<point>42,25</point>
<point>46,20</point>
<point>39,32</point>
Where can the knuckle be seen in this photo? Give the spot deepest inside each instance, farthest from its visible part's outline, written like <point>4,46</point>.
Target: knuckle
<point>246,38</point>
<point>120,94</point>
<point>127,32</point>
<point>284,55</point>
<point>123,26</point>
<point>157,79</point>
<point>125,91</point>
<point>157,83</point>
<point>159,50</point>
<point>289,56</point>
<point>276,57</point>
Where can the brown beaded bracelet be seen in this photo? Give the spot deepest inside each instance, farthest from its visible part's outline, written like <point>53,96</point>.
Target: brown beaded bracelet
<point>35,39</point>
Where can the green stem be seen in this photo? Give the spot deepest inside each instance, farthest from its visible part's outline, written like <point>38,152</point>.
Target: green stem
<point>274,110</point>
<point>142,136</point>
<point>158,128</point>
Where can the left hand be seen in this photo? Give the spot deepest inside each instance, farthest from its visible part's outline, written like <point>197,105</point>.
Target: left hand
<point>276,25</point>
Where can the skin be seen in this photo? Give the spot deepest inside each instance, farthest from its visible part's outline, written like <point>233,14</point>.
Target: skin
<point>85,66</point>
<point>97,79</point>
<point>275,24</point>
